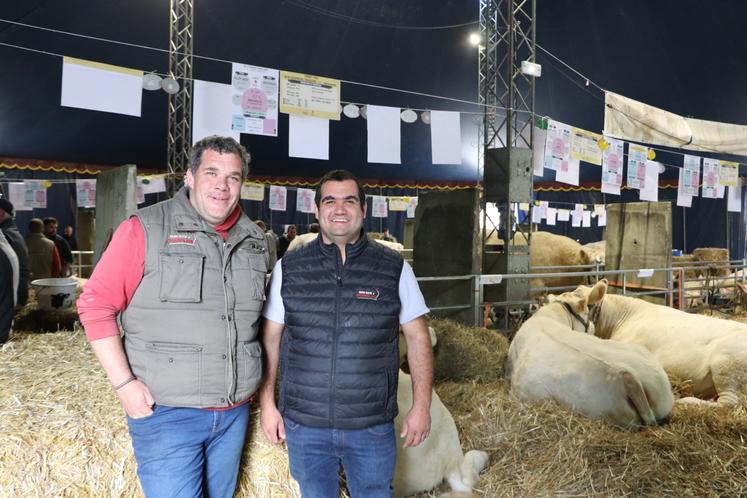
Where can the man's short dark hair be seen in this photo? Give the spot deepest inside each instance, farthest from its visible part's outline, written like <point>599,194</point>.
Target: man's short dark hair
<point>50,220</point>
<point>339,175</point>
<point>221,145</point>
<point>36,225</point>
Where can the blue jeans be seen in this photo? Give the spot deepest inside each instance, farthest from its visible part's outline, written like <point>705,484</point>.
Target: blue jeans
<point>189,452</point>
<point>367,455</point>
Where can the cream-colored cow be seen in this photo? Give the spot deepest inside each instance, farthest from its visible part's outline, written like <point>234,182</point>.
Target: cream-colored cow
<point>439,457</point>
<point>550,360</point>
<point>709,352</point>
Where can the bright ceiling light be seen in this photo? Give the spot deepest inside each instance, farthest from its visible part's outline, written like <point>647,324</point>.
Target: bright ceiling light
<point>475,39</point>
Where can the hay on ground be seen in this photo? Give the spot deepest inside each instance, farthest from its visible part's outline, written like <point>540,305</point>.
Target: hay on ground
<point>467,353</point>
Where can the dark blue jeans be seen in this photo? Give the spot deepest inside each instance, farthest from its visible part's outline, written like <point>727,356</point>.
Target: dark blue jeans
<point>189,452</point>
<point>367,455</point>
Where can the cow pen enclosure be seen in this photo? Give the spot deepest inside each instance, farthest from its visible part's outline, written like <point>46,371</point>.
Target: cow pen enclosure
<point>64,433</point>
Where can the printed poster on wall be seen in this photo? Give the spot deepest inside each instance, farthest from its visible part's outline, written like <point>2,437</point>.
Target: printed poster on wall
<point>690,175</point>
<point>710,178</point>
<point>684,198</point>
<point>86,193</point>
<point>17,196</point>
<point>253,191</point>
<point>379,206</point>
<point>36,193</point>
<point>557,145</point>
<point>728,174</point>
<point>254,99</point>
<point>305,200</point>
<point>612,166</point>
<point>278,198</point>
<point>307,95</point>
<point>398,203</point>
<point>637,157</point>
<point>585,146</point>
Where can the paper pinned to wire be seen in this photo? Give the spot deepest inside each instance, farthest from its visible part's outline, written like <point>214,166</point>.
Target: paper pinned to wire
<point>585,146</point>
<point>645,272</point>
<point>728,174</point>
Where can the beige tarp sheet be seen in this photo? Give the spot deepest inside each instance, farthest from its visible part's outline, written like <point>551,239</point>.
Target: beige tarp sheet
<point>629,119</point>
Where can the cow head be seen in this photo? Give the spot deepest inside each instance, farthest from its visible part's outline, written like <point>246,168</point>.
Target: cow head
<point>579,304</point>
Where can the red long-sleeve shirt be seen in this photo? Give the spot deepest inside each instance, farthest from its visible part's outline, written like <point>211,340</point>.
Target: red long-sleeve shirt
<point>118,274</point>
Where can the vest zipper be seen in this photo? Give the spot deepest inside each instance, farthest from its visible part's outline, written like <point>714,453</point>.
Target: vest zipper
<point>335,335</point>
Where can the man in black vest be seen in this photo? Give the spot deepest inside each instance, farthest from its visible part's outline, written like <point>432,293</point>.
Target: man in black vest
<point>333,314</point>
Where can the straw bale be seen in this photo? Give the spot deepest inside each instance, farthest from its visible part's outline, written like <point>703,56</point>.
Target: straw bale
<point>686,258</point>
<point>467,353</point>
<point>714,255</point>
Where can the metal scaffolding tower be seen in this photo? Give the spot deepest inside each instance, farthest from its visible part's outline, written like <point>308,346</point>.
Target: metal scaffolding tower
<point>507,29</point>
<point>181,15</point>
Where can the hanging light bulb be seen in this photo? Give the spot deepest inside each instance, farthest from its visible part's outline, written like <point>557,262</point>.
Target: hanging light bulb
<point>151,81</point>
<point>425,117</point>
<point>351,111</point>
<point>364,112</point>
<point>170,85</point>
<point>408,116</point>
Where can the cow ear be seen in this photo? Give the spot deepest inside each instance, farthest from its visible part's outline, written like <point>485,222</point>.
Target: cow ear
<point>598,292</point>
<point>550,298</point>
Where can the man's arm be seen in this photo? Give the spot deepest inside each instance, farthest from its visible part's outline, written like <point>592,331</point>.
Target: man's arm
<point>270,417</point>
<point>417,424</point>
<point>106,294</point>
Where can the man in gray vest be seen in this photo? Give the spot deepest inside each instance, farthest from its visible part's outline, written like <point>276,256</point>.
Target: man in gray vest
<point>187,277</point>
<point>333,314</point>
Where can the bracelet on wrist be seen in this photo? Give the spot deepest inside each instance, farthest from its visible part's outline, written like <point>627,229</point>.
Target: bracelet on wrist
<point>124,382</point>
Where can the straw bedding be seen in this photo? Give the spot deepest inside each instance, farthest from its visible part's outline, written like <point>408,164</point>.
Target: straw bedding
<point>63,434</point>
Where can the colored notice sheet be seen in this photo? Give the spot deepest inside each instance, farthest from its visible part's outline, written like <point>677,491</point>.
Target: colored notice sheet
<point>101,87</point>
<point>728,175</point>
<point>558,145</point>
<point>36,194</point>
<point>684,198</point>
<point>691,180</point>
<point>305,200</point>
<point>17,196</point>
<point>568,172</point>
<point>612,166</point>
<point>585,146</point>
<point>398,203</point>
<point>379,206</point>
<point>637,157</point>
<point>278,197</point>
<point>254,99</point>
<point>86,193</point>
<point>308,95</point>
<point>154,184</point>
<point>711,169</point>
<point>411,207</point>
<point>253,191</point>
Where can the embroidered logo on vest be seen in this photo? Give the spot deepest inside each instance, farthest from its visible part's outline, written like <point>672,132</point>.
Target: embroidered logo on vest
<point>187,240</point>
<point>371,294</point>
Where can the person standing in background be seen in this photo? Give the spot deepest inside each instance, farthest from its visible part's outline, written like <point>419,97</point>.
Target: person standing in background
<point>11,232</point>
<point>44,260</point>
<point>63,249</point>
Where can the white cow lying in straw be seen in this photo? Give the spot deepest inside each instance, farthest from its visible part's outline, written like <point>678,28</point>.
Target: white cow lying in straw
<point>550,360</point>
<point>440,456</point>
<point>709,352</point>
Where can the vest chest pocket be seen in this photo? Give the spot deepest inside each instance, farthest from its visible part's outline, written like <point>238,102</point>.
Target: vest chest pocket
<point>250,272</point>
<point>181,278</point>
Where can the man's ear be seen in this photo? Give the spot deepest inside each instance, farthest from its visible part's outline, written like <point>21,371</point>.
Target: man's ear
<point>189,180</point>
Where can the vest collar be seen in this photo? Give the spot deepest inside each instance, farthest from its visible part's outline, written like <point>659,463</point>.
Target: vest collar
<point>351,250</point>
<point>186,219</point>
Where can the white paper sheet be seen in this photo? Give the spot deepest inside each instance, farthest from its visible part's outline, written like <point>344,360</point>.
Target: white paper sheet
<point>576,219</point>
<point>305,197</point>
<point>383,135</point>
<point>411,207</point>
<point>650,190</point>
<point>734,199</point>
<point>602,219</point>
<point>608,188</point>
<point>211,110</point>
<point>379,208</point>
<point>101,87</point>
<point>567,171</point>
<point>536,215</point>
<point>17,196</point>
<point>586,219</point>
<point>446,137</point>
<point>564,214</point>
<point>538,151</point>
<point>86,193</point>
<point>308,137</point>
<point>552,214</point>
<point>155,184</point>
<point>684,198</point>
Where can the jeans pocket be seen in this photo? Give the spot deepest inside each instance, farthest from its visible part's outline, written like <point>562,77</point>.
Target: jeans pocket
<point>290,425</point>
<point>385,429</point>
<point>145,418</point>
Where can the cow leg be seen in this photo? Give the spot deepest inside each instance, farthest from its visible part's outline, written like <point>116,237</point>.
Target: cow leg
<point>465,477</point>
<point>639,400</point>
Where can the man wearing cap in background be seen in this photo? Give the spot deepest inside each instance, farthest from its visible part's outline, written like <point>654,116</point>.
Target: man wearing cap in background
<point>15,239</point>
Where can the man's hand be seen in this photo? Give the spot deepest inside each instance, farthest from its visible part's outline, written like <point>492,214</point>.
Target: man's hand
<point>272,424</point>
<point>416,427</point>
<point>136,399</point>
